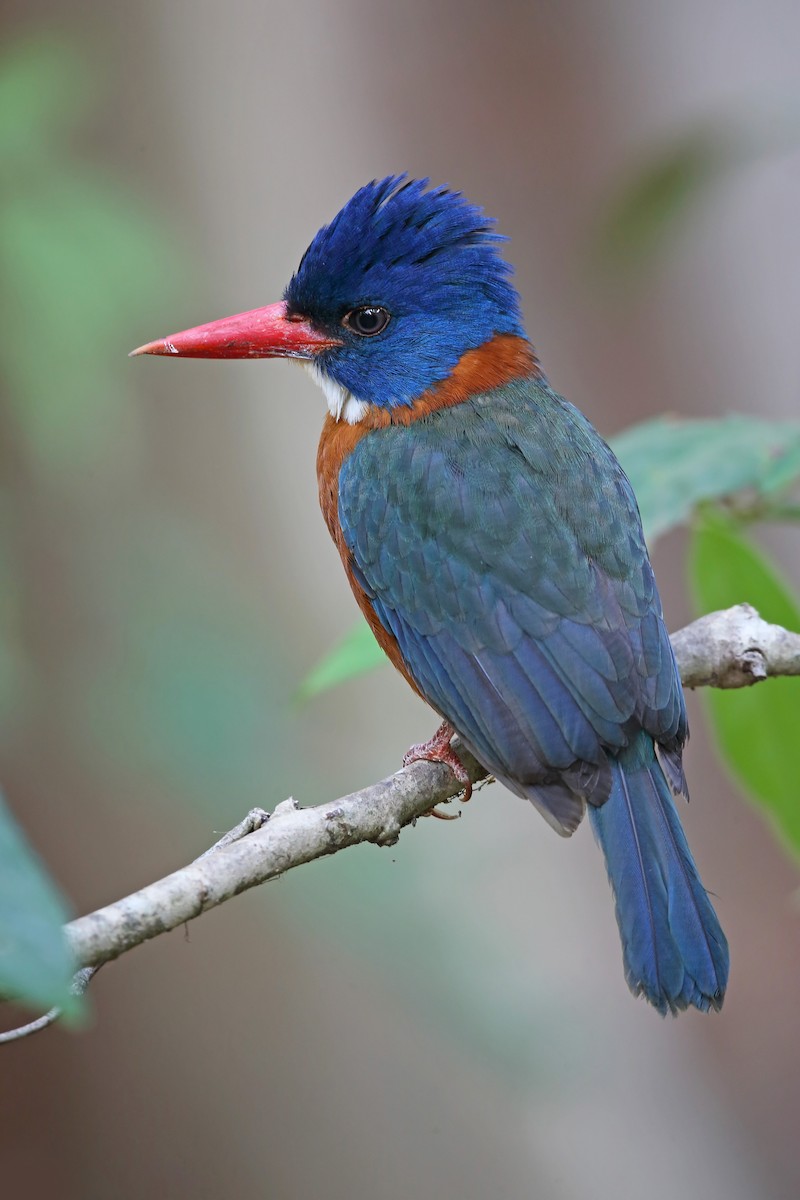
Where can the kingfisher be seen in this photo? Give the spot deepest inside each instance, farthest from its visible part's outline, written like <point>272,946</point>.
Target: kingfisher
<point>494,545</point>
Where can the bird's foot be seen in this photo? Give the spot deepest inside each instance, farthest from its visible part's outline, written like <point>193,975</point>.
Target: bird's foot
<point>438,749</point>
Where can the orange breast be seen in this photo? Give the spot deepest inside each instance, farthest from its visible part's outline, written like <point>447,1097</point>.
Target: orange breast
<point>337,443</point>
<point>503,358</point>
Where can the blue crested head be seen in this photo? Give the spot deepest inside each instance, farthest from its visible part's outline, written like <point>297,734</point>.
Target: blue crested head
<point>408,279</point>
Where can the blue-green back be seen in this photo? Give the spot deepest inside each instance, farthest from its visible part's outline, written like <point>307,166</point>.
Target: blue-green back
<point>501,545</point>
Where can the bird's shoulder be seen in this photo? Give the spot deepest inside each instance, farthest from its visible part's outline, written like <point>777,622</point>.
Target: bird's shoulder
<point>515,477</point>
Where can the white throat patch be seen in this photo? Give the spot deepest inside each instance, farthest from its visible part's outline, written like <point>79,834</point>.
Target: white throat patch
<point>342,405</point>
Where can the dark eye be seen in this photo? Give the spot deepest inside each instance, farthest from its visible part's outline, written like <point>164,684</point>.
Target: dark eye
<point>366,321</point>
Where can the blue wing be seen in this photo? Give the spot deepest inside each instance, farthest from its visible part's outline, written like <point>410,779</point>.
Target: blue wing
<point>500,543</point>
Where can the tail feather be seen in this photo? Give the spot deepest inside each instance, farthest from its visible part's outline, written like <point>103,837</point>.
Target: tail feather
<point>675,952</point>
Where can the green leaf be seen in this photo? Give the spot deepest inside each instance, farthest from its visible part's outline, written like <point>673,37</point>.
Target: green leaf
<point>355,654</point>
<point>36,967</point>
<point>675,464</point>
<point>756,728</point>
<point>784,471</point>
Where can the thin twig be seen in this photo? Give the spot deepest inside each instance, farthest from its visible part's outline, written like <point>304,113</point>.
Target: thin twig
<point>80,982</point>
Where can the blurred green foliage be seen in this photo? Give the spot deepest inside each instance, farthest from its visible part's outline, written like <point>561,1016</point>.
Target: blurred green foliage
<point>675,465</point>
<point>189,685</point>
<point>35,964</point>
<point>756,728</point>
<point>79,260</point>
<point>46,92</point>
<point>356,653</point>
<point>13,670</point>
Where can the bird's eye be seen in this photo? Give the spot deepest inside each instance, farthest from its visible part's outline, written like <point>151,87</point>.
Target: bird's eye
<point>367,320</point>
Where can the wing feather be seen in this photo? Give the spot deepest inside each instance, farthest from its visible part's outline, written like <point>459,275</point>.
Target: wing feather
<point>500,543</point>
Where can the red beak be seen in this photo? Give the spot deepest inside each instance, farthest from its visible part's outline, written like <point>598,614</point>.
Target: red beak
<point>261,333</point>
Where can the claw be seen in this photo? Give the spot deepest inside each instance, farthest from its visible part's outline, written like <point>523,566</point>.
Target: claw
<point>438,749</point>
<point>442,816</point>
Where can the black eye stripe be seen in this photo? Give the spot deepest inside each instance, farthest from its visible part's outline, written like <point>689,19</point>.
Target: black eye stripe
<point>367,321</point>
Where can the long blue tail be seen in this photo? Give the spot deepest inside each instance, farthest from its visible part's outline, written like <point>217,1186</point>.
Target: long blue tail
<point>675,952</point>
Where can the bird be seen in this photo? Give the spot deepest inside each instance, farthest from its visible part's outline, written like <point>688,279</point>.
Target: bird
<point>494,545</point>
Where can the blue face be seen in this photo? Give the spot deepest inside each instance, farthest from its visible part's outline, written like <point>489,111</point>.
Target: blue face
<point>410,280</point>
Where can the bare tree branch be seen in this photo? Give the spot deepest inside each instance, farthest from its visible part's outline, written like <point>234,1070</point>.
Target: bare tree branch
<point>729,649</point>
<point>734,648</point>
<point>292,836</point>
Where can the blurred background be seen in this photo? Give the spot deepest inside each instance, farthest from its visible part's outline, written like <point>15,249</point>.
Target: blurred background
<point>447,1018</point>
